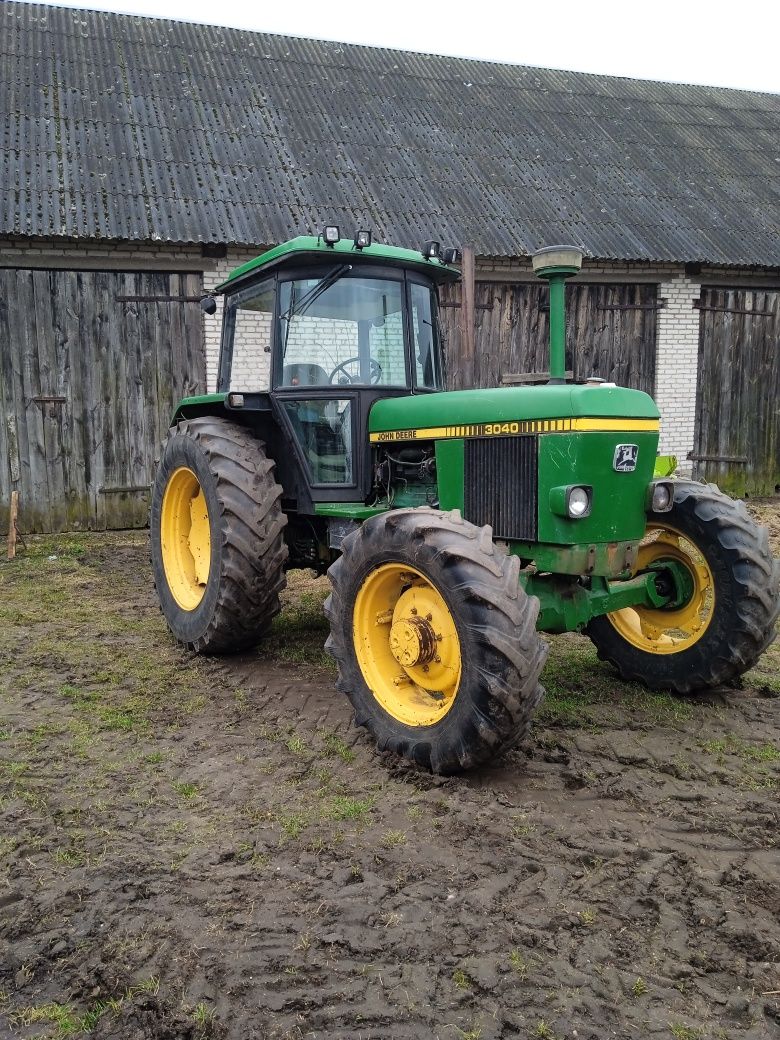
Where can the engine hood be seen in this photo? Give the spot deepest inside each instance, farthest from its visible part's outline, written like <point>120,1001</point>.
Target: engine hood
<point>419,413</point>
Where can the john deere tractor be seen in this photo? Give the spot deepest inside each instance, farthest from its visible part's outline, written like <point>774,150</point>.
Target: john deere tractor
<point>454,526</point>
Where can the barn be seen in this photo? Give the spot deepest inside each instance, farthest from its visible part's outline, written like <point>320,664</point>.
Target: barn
<point>143,158</point>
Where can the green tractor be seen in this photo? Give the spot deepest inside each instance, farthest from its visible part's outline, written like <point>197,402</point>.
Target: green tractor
<point>454,526</point>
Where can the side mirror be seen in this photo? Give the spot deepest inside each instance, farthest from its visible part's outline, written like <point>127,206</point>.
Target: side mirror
<point>208,304</point>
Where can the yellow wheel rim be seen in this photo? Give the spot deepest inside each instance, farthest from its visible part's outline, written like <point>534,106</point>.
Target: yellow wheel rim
<point>185,538</point>
<point>407,645</point>
<point>669,631</point>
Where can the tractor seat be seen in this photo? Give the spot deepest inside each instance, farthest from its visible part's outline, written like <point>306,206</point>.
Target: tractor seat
<point>304,375</point>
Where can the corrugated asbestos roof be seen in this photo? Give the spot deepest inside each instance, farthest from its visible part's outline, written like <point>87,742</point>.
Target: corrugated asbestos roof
<point>121,127</point>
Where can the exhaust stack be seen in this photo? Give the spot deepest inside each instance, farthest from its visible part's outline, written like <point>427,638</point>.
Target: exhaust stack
<point>556,264</point>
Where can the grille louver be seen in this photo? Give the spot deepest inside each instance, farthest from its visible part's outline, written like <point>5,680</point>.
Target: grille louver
<point>500,485</point>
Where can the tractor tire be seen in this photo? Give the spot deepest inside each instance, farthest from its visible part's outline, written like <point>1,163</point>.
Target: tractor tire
<point>730,617</point>
<point>217,544</point>
<point>435,639</point>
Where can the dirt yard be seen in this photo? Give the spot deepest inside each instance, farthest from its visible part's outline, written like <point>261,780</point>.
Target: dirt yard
<point>206,848</point>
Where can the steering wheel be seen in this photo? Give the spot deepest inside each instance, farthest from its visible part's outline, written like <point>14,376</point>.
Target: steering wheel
<point>375,372</point>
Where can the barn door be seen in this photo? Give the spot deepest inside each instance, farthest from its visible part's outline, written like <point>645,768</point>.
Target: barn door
<point>90,366</point>
<point>737,435</point>
<point>610,332</point>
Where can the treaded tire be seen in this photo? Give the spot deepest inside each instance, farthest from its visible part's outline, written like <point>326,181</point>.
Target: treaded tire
<point>501,652</point>
<point>747,598</point>
<point>246,524</point>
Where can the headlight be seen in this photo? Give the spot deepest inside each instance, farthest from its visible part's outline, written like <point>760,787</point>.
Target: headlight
<point>578,502</point>
<point>571,500</point>
<point>660,497</point>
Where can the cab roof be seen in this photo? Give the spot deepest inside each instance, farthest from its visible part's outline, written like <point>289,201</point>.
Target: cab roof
<point>308,248</point>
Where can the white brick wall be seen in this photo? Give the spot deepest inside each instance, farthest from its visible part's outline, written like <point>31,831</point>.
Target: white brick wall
<point>212,324</point>
<point>677,364</point>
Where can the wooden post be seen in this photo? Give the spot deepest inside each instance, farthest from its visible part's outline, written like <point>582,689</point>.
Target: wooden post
<point>468,337</point>
<point>12,515</point>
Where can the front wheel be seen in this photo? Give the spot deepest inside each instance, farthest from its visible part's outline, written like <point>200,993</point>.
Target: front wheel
<point>434,638</point>
<point>732,604</point>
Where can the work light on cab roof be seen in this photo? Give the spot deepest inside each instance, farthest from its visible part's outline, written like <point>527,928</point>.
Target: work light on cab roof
<point>454,526</point>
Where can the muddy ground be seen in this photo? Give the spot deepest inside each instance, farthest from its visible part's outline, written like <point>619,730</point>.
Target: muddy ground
<point>199,848</point>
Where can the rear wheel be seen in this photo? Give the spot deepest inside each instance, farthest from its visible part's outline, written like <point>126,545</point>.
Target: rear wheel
<point>731,604</point>
<point>435,640</point>
<point>217,546</point>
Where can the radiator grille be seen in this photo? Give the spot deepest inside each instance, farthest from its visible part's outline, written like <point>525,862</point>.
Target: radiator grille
<point>500,485</point>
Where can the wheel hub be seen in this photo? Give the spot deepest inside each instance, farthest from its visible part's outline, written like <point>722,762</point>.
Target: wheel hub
<point>413,641</point>
<point>407,644</point>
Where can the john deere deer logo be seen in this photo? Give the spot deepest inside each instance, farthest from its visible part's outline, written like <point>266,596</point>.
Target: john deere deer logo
<point>625,458</point>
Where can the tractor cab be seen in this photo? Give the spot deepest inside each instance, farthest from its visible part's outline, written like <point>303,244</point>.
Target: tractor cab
<point>321,328</point>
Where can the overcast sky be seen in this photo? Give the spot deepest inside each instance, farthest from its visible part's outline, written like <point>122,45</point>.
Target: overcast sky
<point>685,41</point>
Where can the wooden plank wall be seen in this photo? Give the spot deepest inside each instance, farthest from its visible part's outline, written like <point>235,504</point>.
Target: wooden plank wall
<point>611,332</point>
<point>737,438</point>
<point>87,386</point>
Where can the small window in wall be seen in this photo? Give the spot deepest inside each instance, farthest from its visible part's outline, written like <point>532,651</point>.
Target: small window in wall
<point>323,429</point>
<point>246,357</point>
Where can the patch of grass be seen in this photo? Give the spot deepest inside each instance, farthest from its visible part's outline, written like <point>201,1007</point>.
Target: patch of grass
<point>471,1034</point>
<point>62,1016</point>
<point>681,1032</point>
<point>5,734</point>
<point>36,737</point>
<point>733,745</point>
<point>640,987</point>
<point>293,823</point>
<point>295,745</point>
<point>298,634</point>
<point>345,808</point>
<point>79,696</point>
<point>392,839</point>
<point>67,1022</point>
<point>202,1014</point>
<point>583,692</point>
<point>122,719</point>
<point>68,857</point>
<point>521,828</point>
<point>63,546</point>
<point>519,964</point>
<point>334,746</point>
<point>461,979</point>
<point>543,1031</point>
<point>185,790</point>
<point>415,812</point>
<point>587,916</point>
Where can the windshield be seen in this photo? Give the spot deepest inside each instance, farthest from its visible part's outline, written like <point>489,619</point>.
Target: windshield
<point>340,330</point>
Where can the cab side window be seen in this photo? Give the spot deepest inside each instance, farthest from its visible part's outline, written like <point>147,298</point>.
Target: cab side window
<point>246,350</point>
